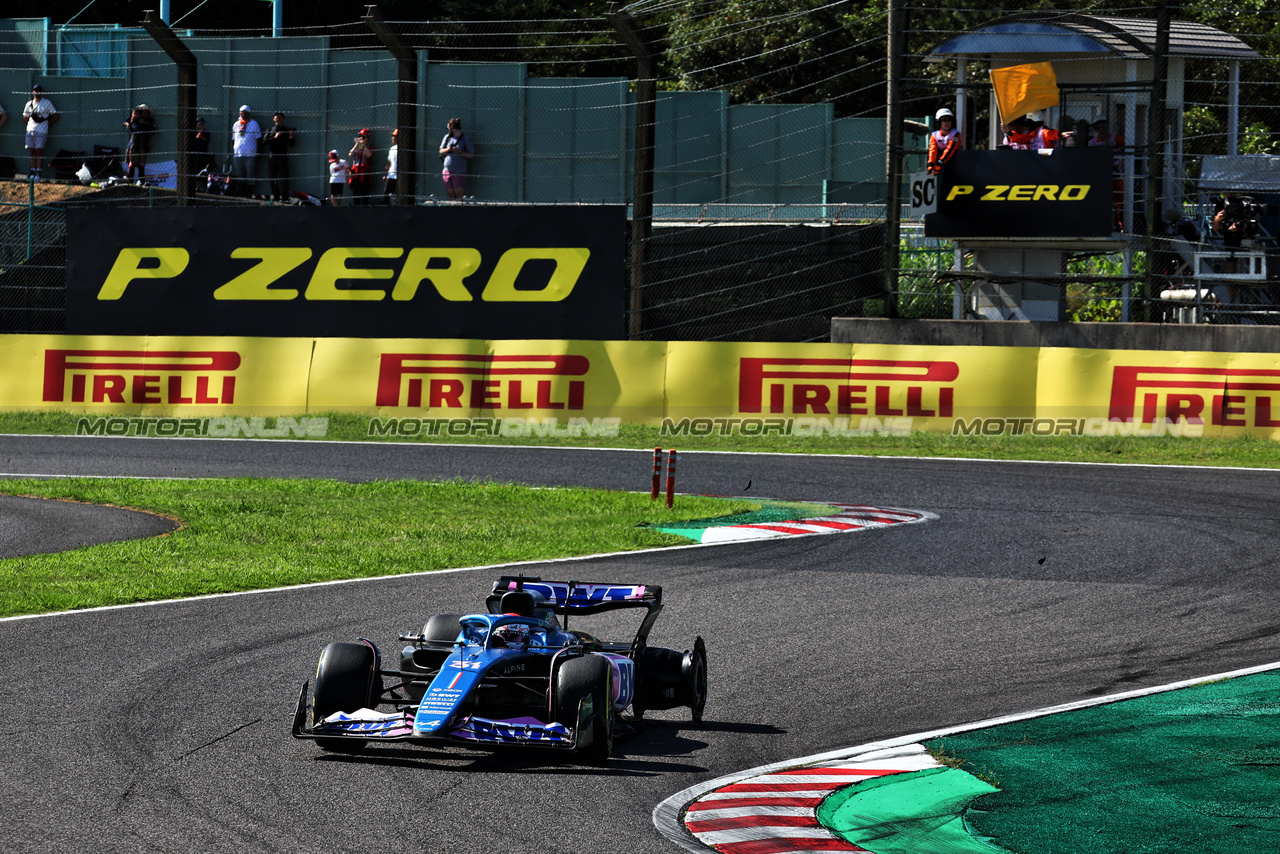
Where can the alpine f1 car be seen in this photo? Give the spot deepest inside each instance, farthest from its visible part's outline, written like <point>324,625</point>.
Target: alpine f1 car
<point>514,675</point>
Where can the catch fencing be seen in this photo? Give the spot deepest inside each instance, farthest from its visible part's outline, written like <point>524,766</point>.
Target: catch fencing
<point>766,212</point>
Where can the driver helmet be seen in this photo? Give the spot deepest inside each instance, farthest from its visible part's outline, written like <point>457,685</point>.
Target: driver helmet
<point>944,113</point>
<point>514,634</point>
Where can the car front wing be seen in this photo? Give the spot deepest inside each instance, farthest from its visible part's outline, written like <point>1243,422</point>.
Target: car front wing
<point>371,725</point>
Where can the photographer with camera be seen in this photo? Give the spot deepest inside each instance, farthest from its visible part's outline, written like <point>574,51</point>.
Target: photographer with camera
<point>1236,220</point>
<point>361,155</point>
<point>40,114</point>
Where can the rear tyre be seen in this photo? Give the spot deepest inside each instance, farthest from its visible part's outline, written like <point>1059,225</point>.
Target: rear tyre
<point>346,679</point>
<point>588,676</point>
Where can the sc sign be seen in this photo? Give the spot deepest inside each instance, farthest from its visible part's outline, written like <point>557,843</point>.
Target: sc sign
<point>924,194</point>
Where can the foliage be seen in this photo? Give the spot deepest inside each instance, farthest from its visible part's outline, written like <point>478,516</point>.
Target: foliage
<point>1257,138</point>
<point>781,51</point>
<point>1094,302</point>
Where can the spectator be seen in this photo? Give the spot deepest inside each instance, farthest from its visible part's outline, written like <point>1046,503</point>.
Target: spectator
<point>142,128</point>
<point>943,142</point>
<point>1103,137</point>
<point>203,159</point>
<point>280,138</point>
<point>245,135</point>
<point>40,115</point>
<point>4,117</point>
<point>456,150</point>
<point>337,178</point>
<point>393,157</point>
<point>1077,138</point>
<point>361,168</point>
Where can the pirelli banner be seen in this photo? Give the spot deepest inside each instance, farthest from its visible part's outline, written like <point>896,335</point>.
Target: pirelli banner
<point>688,388</point>
<point>553,272</point>
<point>1065,193</point>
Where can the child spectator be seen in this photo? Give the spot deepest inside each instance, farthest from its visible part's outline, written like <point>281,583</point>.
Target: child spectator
<point>337,178</point>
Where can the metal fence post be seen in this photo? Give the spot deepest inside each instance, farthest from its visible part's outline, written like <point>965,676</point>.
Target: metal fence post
<point>406,104</point>
<point>187,79</point>
<point>893,146</point>
<point>642,186</point>
<point>1156,115</point>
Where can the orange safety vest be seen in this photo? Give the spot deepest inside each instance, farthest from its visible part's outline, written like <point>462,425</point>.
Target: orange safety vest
<point>942,146</point>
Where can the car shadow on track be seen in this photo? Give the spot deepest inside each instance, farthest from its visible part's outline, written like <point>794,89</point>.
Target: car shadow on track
<point>508,762</point>
<point>650,751</point>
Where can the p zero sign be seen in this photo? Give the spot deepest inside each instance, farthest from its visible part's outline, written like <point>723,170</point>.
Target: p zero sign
<point>1025,194</point>
<point>376,272</point>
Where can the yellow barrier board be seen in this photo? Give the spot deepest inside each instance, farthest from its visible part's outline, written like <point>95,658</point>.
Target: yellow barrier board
<point>1149,392</point>
<point>412,386</point>
<point>442,379</point>
<point>154,376</point>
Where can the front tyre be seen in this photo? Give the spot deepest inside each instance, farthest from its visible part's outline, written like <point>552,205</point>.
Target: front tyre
<point>346,679</point>
<point>588,676</point>
<point>695,671</point>
<point>442,629</point>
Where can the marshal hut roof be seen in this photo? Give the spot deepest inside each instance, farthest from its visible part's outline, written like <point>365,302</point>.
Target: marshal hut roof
<point>1072,33</point>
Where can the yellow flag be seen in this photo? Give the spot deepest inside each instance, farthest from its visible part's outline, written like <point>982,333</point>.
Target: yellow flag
<point>1021,89</point>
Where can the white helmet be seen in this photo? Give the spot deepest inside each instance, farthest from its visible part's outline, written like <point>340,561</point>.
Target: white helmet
<point>944,113</point>
<point>1037,116</point>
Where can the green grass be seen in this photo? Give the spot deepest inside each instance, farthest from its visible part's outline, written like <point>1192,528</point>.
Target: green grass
<point>1163,450</point>
<point>254,534</point>
<point>249,534</point>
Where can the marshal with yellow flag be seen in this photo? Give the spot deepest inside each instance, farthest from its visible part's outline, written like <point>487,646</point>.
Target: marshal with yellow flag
<point>1022,89</point>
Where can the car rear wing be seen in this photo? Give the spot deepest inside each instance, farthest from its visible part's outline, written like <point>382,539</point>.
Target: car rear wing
<point>583,598</point>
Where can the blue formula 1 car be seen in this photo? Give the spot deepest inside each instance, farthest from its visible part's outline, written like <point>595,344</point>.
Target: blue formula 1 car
<point>512,676</point>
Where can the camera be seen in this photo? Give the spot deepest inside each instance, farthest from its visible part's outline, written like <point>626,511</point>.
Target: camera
<point>1241,214</point>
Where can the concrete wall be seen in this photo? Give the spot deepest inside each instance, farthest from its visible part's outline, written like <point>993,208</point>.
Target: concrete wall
<point>1095,336</point>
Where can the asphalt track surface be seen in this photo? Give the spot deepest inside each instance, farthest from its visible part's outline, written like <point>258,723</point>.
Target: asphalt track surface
<point>165,728</point>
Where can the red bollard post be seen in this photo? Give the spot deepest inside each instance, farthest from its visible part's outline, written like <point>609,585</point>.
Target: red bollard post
<point>671,477</point>
<point>657,474</point>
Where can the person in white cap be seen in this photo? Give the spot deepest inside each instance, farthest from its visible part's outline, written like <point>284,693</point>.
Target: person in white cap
<point>245,134</point>
<point>40,114</point>
<point>338,174</point>
<point>943,142</point>
<point>1042,136</point>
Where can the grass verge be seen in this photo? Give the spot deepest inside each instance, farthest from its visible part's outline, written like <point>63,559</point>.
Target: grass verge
<point>249,534</point>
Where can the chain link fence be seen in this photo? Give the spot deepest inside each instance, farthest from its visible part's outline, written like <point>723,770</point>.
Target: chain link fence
<point>759,192</point>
